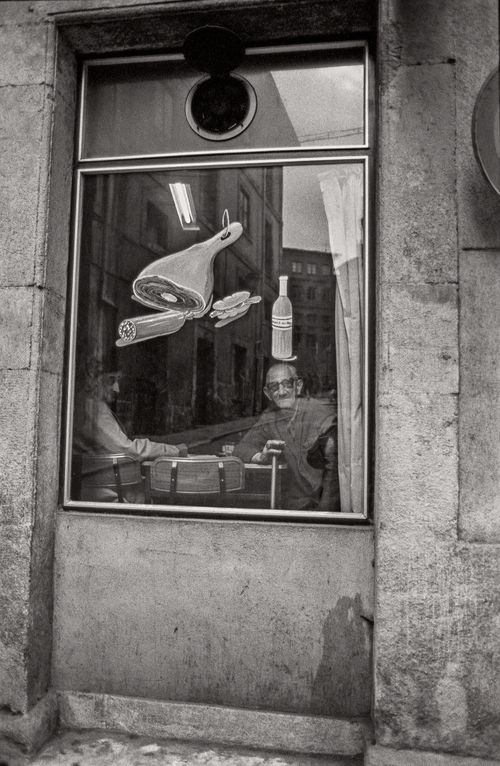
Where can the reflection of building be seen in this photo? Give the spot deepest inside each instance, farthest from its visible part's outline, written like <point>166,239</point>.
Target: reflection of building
<point>130,222</point>
<point>312,291</point>
<point>201,374</point>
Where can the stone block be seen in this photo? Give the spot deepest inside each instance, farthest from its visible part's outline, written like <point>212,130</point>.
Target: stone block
<point>417,32</point>
<point>52,263</point>
<point>66,72</point>
<point>52,267</point>
<point>209,723</point>
<point>22,131</point>
<point>437,643</point>
<point>480,396</point>
<point>417,466</point>
<point>49,432</point>
<point>47,490</point>
<point>416,192</point>
<point>25,54</point>
<point>16,320</point>
<point>39,640</point>
<point>418,336</point>
<point>53,329</point>
<point>31,730</point>
<point>17,444</point>
<point>15,554</point>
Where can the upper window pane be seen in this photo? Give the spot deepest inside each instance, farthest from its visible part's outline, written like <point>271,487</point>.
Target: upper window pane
<point>314,99</point>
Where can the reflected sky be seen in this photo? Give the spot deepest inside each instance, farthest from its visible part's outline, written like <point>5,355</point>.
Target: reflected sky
<point>304,221</point>
<point>323,103</point>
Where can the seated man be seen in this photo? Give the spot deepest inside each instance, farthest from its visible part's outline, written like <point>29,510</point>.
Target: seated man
<point>291,428</point>
<point>98,432</point>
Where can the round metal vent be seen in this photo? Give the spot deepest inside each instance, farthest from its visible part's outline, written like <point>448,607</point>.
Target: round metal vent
<point>219,108</point>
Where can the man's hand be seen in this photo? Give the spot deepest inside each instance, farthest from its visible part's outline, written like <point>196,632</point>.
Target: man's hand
<point>271,447</point>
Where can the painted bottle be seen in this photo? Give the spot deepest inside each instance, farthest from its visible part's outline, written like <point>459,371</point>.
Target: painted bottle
<point>282,323</point>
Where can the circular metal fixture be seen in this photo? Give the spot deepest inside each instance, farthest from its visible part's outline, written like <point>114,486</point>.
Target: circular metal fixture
<point>486,130</point>
<point>220,108</point>
<point>221,105</point>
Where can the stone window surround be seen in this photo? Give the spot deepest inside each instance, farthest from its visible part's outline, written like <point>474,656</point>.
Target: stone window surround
<point>72,36</point>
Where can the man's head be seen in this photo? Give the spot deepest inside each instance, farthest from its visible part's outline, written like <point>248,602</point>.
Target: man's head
<point>109,383</point>
<point>282,385</point>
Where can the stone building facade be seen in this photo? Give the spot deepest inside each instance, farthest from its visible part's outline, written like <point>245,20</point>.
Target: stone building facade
<point>436,646</point>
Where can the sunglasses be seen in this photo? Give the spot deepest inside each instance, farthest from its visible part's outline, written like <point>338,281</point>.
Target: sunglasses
<point>287,383</point>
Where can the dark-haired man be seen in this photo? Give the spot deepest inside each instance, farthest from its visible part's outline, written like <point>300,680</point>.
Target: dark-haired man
<point>98,432</point>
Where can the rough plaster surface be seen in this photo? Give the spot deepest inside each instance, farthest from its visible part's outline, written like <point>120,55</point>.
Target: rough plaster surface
<point>273,617</point>
<point>416,32</point>
<point>480,396</point>
<point>153,29</point>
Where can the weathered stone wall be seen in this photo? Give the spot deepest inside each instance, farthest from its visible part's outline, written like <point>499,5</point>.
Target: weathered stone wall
<point>437,643</point>
<point>37,105</point>
<point>34,248</point>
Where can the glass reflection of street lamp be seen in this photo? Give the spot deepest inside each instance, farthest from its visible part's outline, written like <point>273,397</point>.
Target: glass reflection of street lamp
<point>184,204</point>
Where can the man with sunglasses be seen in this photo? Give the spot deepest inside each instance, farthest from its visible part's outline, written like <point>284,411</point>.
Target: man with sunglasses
<point>291,428</point>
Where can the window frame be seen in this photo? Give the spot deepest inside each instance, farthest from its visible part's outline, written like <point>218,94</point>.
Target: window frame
<point>358,154</point>
<point>214,150</point>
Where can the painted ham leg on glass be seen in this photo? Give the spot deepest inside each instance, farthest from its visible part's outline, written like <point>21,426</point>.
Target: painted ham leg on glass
<point>180,286</point>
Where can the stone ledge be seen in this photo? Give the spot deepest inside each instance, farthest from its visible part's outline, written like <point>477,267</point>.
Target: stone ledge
<point>29,731</point>
<point>214,724</point>
<point>376,755</point>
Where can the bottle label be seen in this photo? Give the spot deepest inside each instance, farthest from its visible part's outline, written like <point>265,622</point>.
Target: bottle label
<point>282,323</point>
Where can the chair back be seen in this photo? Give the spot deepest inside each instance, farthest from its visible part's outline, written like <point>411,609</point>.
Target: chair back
<point>108,472</point>
<point>196,476</point>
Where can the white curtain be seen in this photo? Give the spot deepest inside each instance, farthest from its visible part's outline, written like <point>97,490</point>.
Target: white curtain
<point>342,190</point>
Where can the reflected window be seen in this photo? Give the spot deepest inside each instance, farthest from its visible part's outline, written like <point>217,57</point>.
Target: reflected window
<point>311,293</point>
<point>294,93</point>
<point>156,227</point>
<point>198,382</point>
<point>268,247</point>
<point>244,209</point>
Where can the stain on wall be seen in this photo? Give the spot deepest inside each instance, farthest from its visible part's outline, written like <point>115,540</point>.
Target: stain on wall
<point>339,686</point>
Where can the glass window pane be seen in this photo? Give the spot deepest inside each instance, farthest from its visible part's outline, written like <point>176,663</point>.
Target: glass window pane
<point>313,99</point>
<point>185,350</point>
